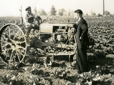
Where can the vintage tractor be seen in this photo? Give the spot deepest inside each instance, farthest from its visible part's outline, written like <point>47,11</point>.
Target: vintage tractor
<point>13,45</point>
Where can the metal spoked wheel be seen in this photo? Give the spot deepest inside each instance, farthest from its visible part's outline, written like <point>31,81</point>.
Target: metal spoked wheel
<point>12,44</point>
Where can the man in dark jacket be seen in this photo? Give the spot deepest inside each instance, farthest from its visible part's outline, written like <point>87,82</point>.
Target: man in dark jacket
<point>82,41</point>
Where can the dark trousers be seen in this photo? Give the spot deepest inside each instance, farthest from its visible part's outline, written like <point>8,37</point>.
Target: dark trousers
<point>82,64</point>
<point>29,28</point>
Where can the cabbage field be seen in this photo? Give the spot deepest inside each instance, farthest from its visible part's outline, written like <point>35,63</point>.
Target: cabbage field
<point>61,71</point>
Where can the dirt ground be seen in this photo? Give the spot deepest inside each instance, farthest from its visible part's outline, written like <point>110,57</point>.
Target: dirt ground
<point>58,73</point>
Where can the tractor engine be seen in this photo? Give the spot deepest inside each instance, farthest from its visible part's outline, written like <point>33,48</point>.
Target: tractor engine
<point>57,32</point>
<point>60,35</point>
<point>57,37</point>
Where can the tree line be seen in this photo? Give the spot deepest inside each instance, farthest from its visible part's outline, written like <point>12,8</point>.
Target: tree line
<point>63,12</point>
<point>52,12</point>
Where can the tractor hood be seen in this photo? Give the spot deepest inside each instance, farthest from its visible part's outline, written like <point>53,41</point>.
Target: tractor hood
<point>50,28</point>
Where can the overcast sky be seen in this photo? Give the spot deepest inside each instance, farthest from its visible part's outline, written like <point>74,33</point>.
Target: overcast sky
<point>11,7</point>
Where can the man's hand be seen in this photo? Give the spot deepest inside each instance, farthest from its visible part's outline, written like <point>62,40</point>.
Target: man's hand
<point>80,38</point>
<point>73,30</point>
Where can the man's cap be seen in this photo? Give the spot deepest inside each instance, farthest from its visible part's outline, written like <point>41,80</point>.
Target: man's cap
<point>27,8</point>
<point>78,11</point>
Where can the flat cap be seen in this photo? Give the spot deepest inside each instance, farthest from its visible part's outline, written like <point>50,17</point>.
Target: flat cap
<point>27,8</point>
<point>78,11</point>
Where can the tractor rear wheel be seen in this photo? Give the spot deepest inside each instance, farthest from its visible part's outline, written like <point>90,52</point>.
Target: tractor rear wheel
<point>12,44</point>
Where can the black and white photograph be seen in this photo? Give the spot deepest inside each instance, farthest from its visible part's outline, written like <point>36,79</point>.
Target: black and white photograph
<point>56,42</point>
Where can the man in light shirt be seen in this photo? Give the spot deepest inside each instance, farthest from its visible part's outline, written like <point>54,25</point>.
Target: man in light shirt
<point>31,21</point>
